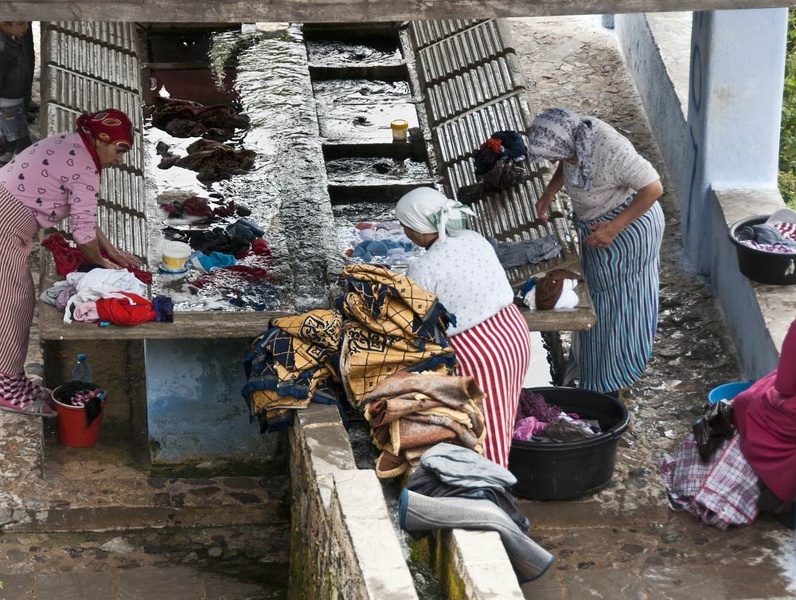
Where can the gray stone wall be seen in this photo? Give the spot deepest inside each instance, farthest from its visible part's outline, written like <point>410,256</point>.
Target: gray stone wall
<point>343,543</point>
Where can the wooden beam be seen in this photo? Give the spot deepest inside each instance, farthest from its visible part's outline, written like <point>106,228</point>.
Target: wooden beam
<point>343,11</point>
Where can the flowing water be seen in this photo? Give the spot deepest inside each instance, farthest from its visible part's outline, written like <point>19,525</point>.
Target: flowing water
<point>293,118</point>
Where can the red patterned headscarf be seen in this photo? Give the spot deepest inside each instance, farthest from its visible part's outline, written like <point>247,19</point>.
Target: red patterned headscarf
<point>110,126</point>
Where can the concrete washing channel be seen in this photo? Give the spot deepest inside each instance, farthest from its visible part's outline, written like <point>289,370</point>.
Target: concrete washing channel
<point>320,106</point>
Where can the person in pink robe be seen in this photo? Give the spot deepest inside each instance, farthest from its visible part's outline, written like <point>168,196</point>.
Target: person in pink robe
<point>765,416</point>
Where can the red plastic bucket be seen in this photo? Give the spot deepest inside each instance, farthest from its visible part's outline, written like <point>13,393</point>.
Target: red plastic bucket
<point>71,424</point>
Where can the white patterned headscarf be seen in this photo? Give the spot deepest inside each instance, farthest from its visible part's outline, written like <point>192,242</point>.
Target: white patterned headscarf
<point>559,134</point>
<point>426,210</point>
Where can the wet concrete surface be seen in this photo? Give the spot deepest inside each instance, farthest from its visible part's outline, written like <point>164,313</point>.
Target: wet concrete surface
<point>623,542</point>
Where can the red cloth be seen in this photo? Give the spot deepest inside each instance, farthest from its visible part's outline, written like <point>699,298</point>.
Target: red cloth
<point>109,125</point>
<point>494,144</point>
<point>786,377</point>
<point>232,276</point>
<point>260,247</point>
<point>132,310</point>
<point>766,421</point>
<point>68,258</point>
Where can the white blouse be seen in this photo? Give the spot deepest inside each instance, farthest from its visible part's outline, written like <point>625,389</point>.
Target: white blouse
<point>618,171</point>
<point>467,277</point>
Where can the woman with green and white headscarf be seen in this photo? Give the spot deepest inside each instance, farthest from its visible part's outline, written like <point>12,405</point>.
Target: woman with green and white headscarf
<point>614,193</point>
<point>490,335</point>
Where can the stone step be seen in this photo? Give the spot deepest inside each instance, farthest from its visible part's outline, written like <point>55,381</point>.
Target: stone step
<point>98,492</point>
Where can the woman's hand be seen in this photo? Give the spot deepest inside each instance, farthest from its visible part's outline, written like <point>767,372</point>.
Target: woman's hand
<point>122,258</point>
<point>109,264</point>
<point>602,234</point>
<point>544,204</point>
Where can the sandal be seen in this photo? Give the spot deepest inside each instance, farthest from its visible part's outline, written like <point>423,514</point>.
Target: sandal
<point>35,407</point>
<point>34,390</point>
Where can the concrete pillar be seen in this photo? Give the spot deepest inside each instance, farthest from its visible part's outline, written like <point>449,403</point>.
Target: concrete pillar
<point>734,110</point>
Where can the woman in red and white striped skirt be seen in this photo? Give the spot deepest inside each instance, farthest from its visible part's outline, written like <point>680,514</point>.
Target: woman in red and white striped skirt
<point>490,335</point>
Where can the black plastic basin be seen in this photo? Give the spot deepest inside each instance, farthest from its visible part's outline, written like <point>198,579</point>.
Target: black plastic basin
<point>761,266</point>
<point>566,470</point>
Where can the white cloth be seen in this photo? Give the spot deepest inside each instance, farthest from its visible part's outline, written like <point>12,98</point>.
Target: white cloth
<point>101,283</point>
<point>567,299</point>
<point>783,215</point>
<point>618,171</point>
<point>467,277</point>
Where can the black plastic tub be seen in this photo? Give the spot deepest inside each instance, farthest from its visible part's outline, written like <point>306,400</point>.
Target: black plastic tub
<point>567,470</point>
<point>761,266</point>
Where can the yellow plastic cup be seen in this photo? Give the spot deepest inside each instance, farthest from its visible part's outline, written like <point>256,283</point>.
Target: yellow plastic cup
<point>399,129</point>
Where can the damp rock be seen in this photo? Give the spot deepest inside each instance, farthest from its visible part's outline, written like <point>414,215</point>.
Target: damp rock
<point>117,545</point>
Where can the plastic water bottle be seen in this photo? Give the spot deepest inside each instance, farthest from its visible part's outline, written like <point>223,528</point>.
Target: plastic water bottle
<point>81,371</point>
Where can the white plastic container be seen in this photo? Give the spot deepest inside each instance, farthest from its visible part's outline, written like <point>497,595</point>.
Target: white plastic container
<point>174,256</point>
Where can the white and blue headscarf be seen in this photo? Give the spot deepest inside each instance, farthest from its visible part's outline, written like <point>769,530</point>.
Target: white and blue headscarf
<point>559,134</point>
<point>426,210</point>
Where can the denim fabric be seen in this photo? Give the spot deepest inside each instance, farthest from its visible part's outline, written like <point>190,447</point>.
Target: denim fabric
<point>14,122</point>
<point>421,513</point>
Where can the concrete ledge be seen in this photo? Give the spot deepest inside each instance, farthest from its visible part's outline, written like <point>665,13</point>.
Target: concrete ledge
<point>479,560</point>
<point>757,315</point>
<point>359,508</point>
<point>344,542</point>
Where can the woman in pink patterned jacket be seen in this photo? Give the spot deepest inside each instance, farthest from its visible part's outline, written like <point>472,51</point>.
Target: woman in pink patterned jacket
<point>55,178</point>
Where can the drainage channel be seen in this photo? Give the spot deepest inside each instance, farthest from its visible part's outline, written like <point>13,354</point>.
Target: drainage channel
<point>318,125</point>
<point>314,104</point>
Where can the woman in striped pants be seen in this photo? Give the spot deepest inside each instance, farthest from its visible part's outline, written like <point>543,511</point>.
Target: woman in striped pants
<point>55,178</point>
<point>489,336</point>
<point>614,193</point>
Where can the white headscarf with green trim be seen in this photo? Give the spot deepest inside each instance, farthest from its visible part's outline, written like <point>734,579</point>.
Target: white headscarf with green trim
<point>426,210</point>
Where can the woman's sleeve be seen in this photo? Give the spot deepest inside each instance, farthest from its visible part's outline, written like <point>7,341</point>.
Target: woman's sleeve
<point>83,196</point>
<point>630,169</point>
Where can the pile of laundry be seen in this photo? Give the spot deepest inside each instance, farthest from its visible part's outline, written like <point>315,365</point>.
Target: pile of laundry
<point>93,294</point>
<point>525,252</point>
<point>412,412</point>
<point>456,488</point>
<point>229,258</point>
<point>213,161</point>
<point>196,210</point>
<point>186,118</point>
<point>552,290</point>
<point>384,323</point>
<point>539,421</point>
<point>382,243</point>
<point>498,165</point>
<point>82,394</point>
<point>211,158</point>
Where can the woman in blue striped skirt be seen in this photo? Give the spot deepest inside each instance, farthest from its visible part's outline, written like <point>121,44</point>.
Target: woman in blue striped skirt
<point>614,192</point>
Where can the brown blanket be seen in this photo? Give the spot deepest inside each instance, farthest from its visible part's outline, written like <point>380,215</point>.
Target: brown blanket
<point>410,412</point>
